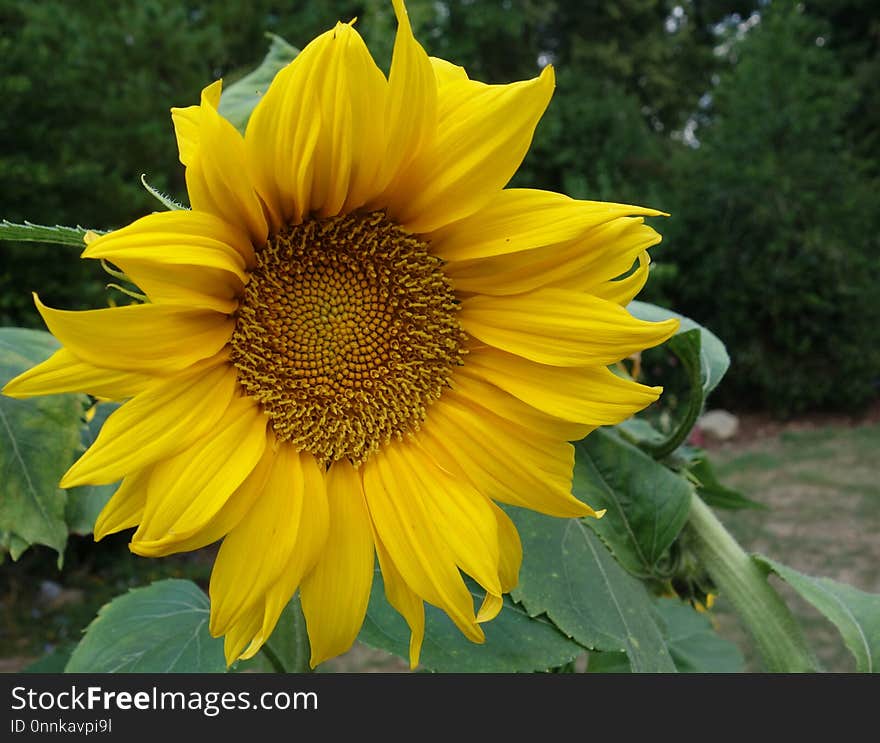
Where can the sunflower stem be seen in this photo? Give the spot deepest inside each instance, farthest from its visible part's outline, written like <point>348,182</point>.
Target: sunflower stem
<point>776,633</point>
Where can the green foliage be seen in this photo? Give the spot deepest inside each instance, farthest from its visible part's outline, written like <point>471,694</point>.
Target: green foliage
<point>646,503</point>
<point>162,628</point>
<point>705,361</point>
<point>29,232</point>
<point>855,613</point>
<point>774,231</point>
<point>854,38</point>
<point>711,490</point>
<point>38,440</point>
<point>713,360</point>
<point>515,641</point>
<point>239,99</point>
<point>287,650</point>
<point>694,645</point>
<point>84,503</point>
<point>569,575</point>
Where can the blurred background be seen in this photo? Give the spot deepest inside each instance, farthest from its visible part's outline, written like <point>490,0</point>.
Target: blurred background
<point>755,124</point>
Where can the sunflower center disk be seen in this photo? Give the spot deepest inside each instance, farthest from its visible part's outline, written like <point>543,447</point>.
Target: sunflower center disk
<point>346,332</point>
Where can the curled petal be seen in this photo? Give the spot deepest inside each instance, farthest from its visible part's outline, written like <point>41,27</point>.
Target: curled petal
<point>216,165</point>
<point>483,133</point>
<point>141,338</point>
<point>64,372</point>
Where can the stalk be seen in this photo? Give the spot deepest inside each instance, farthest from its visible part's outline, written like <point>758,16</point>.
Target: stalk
<point>776,633</point>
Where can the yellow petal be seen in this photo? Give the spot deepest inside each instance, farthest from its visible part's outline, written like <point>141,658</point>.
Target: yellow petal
<point>125,507</point>
<point>166,418</point>
<point>336,592</point>
<point>352,93</point>
<point>405,601</point>
<point>256,552</point>
<point>187,491</point>
<point>561,327</point>
<point>623,291</point>
<point>405,525</point>
<point>490,608</point>
<point>186,267</point>
<point>518,467</point>
<point>483,133</point>
<point>464,516</point>
<point>515,410</point>
<point>317,138</point>
<point>64,372</point>
<point>187,123</point>
<point>602,253</point>
<point>511,551</point>
<point>239,634</point>
<point>191,286</point>
<point>235,508</point>
<point>280,140</point>
<point>518,219</point>
<point>149,338</point>
<point>216,166</point>
<point>591,395</point>
<point>411,107</point>
<point>446,72</point>
<point>311,540</point>
<point>176,238</point>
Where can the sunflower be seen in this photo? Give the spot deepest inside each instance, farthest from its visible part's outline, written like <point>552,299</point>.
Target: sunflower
<point>354,343</point>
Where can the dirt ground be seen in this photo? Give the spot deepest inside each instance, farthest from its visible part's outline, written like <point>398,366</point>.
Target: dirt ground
<point>820,478</point>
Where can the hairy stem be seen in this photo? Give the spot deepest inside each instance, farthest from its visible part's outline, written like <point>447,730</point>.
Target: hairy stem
<point>776,633</point>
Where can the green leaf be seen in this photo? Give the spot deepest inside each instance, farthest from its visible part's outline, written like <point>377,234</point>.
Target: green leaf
<point>646,503</point>
<point>639,432</point>
<point>704,359</point>
<point>39,438</point>
<point>29,232</point>
<point>85,502</point>
<point>13,544</point>
<point>288,647</point>
<point>162,628</point>
<point>515,641</point>
<point>569,575</point>
<point>855,613</point>
<point>713,358</point>
<point>693,643</point>
<point>686,346</point>
<point>239,99</point>
<point>712,491</point>
<point>608,662</point>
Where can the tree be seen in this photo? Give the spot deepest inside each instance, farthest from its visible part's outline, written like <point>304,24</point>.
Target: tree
<point>773,228</point>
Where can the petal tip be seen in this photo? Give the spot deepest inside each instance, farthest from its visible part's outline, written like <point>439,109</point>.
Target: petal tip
<point>12,388</point>
<point>72,478</point>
